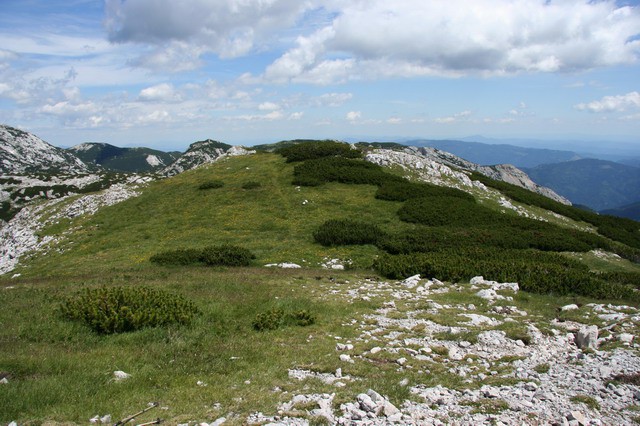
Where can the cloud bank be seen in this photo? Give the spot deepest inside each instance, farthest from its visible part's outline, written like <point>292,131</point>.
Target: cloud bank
<point>372,39</point>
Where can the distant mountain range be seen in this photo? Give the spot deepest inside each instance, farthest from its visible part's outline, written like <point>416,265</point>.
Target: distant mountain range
<point>597,184</point>
<point>491,154</point>
<point>109,157</point>
<point>631,211</point>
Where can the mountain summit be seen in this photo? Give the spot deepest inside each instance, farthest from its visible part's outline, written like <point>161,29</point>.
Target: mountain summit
<point>135,160</point>
<point>23,152</point>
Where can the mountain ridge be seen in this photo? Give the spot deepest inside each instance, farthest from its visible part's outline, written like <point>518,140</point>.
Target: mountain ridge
<point>597,184</point>
<point>24,152</point>
<point>135,160</point>
<point>493,154</point>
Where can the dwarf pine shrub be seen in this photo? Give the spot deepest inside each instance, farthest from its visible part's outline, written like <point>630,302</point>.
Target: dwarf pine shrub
<point>535,271</point>
<point>212,184</point>
<point>269,320</point>
<point>222,255</point>
<point>346,232</point>
<point>251,185</point>
<point>303,318</point>
<point>342,170</point>
<point>318,149</point>
<point>109,310</point>
<point>227,255</point>
<point>403,190</point>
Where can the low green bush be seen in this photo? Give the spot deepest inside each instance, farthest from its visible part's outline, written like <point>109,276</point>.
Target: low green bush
<point>227,255</point>
<point>535,271</point>
<point>212,184</point>
<point>317,149</point>
<point>338,169</point>
<point>624,230</point>
<point>303,318</point>
<point>270,320</point>
<point>251,185</point>
<point>109,310</point>
<point>222,255</point>
<point>403,190</point>
<point>337,232</point>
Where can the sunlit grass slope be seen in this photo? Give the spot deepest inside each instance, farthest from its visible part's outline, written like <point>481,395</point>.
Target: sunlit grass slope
<point>219,365</point>
<point>274,220</point>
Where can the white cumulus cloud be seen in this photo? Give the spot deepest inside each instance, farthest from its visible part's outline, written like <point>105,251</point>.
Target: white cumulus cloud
<point>404,38</point>
<point>228,28</point>
<point>164,92</point>
<point>612,103</point>
<point>353,116</point>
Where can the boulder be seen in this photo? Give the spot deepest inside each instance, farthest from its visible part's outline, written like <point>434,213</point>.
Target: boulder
<point>587,338</point>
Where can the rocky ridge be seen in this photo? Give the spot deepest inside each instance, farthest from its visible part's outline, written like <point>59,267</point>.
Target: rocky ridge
<point>106,157</point>
<point>203,152</point>
<point>22,152</point>
<point>501,172</point>
<point>19,236</point>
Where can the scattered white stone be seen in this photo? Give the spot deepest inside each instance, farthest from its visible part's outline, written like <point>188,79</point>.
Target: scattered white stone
<point>489,294</point>
<point>284,265</point>
<point>97,419</point>
<point>480,320</point>
<point>345,358</point>
<point>626,338</point>
<point>375,350</point>
<point>4,381</point>
<point>412,281</point>
<point>120,375</point>
<point>571,307</point>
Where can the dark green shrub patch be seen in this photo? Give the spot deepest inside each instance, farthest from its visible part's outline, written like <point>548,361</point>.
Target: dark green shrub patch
<point>338,169</point>
<point>439,211</point>
<point>227,255</point>
<point>303,318</point>
<point>346,232</point>
<point>463,223</point>
<point>627,278</point>
<point>536,272</point>
<point>109,310</point>
<point>626,231</point>
<point>212,184</point>
<point>403,190</point>
<point>318,149</point>
<point>223,255</point>
<point>277,317</point>
<point>269,320</point>
<point>251,185</point>
<point>546,238</point>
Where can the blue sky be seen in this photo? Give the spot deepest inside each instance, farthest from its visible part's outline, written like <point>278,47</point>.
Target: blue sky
<point>165,73</point>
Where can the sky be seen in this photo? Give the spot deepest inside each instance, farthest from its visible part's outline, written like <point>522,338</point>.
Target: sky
<point>166,73</point>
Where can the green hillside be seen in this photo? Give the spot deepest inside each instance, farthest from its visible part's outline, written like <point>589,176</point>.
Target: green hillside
<point>274,220</point>
<point>252,325</point>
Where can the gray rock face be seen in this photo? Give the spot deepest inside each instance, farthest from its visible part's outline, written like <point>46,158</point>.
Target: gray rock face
<point>23,152</point>
<point>203,152</point>
<point>515,176</point>
<point>439,167</point>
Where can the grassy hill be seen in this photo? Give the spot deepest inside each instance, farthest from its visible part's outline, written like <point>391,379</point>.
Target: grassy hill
<point>59,370</point>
